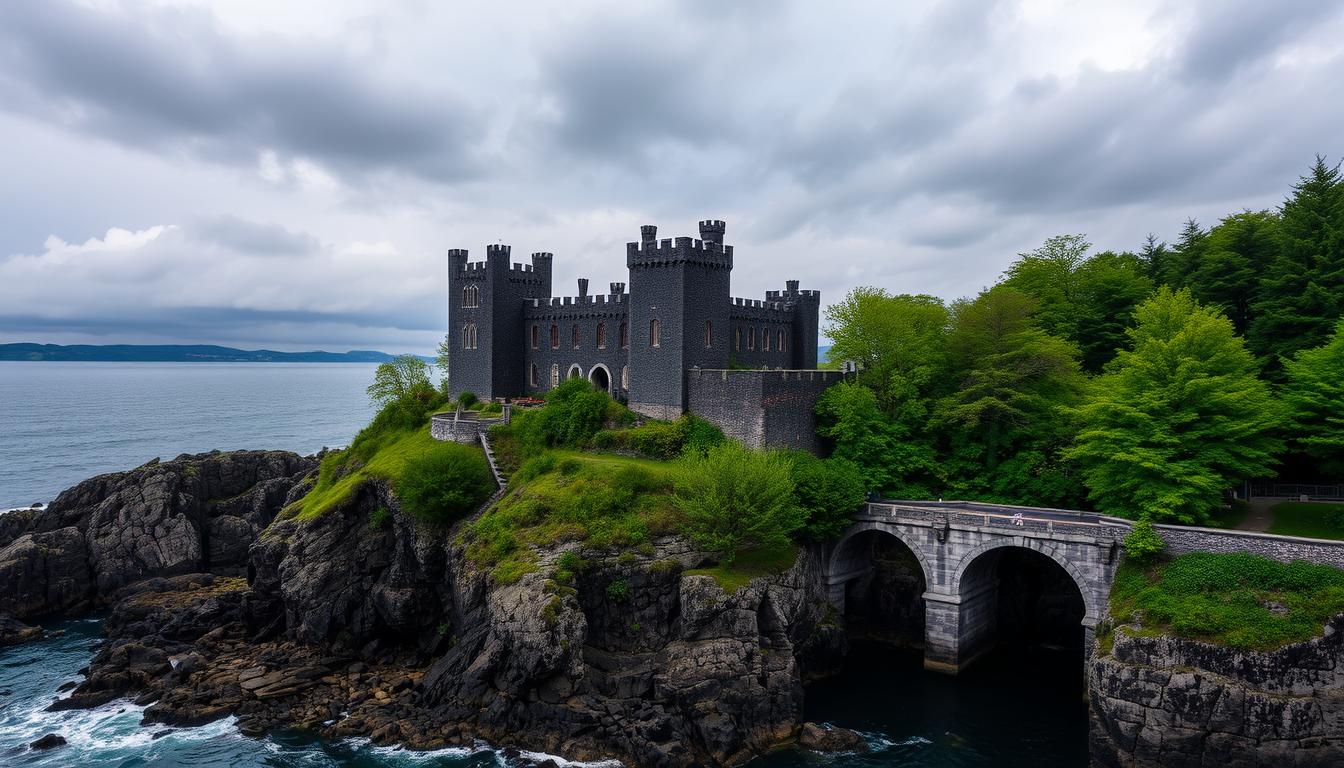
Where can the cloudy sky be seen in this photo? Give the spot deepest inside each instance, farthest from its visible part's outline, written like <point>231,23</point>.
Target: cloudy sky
<point>290,175</point>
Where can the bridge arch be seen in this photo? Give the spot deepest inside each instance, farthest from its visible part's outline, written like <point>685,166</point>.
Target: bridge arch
<point>843,554</point>
<point>1092,610</point>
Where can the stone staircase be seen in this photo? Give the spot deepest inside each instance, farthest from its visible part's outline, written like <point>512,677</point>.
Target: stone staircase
<point>501,479</point>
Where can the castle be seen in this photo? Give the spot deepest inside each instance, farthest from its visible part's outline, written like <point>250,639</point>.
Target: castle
<point>510,337</point>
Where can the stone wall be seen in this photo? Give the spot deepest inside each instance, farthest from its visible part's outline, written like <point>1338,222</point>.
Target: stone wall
<point>762,409</point>
<point>1181,540</point>
<point>1163,701</point>
<point>463,427</point>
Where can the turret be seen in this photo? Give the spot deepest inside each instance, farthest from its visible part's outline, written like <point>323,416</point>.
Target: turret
<point>648,236</point>
<point>583,289</point>
<point>711,231</point>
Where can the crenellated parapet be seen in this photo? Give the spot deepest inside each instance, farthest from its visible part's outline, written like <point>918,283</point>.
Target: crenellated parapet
<point>651,252</point>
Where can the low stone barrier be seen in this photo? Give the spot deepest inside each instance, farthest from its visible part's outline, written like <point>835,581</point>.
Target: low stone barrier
<point>464,427</point>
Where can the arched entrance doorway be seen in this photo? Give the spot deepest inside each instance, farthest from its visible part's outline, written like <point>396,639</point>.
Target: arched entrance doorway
<point>600,377</point>
<point>575,372</point>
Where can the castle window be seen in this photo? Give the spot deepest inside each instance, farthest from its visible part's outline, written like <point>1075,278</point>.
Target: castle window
<point>625,377</point>
<point>751,337</point>
<point>555,336</point>
<point>471,296</point>
<point>601,335</point>
<point>709,334</point>
<point>555,374</point>
<point>737,339</point>
<point>780,338</point>
<point>532,374</point>
<point>655,333</point>
<point>574,335</point>
<point>765,339</point>
<point>625,335</point>
<point>469,336</point>
<point>536,336</point>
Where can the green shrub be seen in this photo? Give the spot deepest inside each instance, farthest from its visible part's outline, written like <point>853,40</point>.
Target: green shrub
<point>378,517</point>
<point>663,439</point>
<point>446,483</point>
<point>1240,600</point>
<point>492,408</point>
<point>466,400</point>
<point>1144,543</point>
<point>618,591</point>
<point>829,491</point>
<point>735,498</point>
<point>573,414</point>
<point>403,392</point>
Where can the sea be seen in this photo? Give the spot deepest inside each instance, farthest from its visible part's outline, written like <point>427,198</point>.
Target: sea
<point>63,422</point>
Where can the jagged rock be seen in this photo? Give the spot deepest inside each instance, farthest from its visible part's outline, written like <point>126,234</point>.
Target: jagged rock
<point>50,741</point>
<point>13,631</point>
<point>191,514</point>
<point>829,738</point>
<point>1165,701</point>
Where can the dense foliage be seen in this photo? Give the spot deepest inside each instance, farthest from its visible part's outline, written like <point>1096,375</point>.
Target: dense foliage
<point>444,483</point>
<point>1150,382</point>
<point>733,498</point>
<point>1240,600</point>
<point>575,411</point>
<point>402,389</point>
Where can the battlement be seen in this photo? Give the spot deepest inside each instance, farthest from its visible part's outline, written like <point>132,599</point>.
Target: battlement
<point>681,250</point>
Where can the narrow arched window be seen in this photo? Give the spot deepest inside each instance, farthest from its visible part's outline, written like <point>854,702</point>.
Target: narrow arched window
<point>555,336</point>
<point>709,334</point>
<point>601,335</point>
<point>655,333</point>
<point>532,375</point>
<point>471,296</point>
<point>555,374</point>
<point>536,336</point>
<point>737,339</point>
<point>765,339</point>
<point>780,339</point>
<point>574,336</point>
<point>625,377</point>
<point>469,336</point>
<point>751,337</point>
<point>625,335</point>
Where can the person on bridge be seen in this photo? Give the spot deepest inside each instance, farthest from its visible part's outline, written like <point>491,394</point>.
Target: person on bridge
<point>1017,518</point>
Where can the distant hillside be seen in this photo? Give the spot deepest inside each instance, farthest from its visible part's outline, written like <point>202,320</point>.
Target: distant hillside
<point>178,353</point>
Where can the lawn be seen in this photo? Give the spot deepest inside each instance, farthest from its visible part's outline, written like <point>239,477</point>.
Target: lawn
<point>1310,519</point>
<point>604,501</point>
<point>1238,600</point>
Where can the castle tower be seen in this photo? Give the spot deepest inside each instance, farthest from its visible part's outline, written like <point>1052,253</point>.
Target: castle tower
<point>485,319</point>
<point>679,303</point>
<point>806,306</point>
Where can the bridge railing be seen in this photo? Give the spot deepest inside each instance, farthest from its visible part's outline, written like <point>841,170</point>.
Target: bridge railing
<point>1042,520</point>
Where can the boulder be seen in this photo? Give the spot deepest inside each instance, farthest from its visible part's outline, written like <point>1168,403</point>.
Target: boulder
<point>13,631</point>
<point>50,741</point>
<point>829,738</point>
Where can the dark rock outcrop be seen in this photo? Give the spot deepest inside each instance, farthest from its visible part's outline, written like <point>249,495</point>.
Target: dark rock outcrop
<point>1164,701</point>
<point>195,513</point>
<point>829,738</point>
<point>13,631</point>
<point>50,741</point>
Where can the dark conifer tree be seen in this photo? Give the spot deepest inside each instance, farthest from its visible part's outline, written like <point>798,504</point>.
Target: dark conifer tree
<point>1188,255</point>
<point>1240,251</point>
<point>1156,258</point>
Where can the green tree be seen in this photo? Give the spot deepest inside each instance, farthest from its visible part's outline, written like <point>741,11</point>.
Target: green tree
<point>1314,393</point>
<point>734,498</point>
<point>1011,376</point>
<point>1188,256</point>
<point>575,411</point>
<point>402,387</point>
<point>1301,295</point>
<point>829,491</point>
<point>441,361</point>
<point>897,342</point>
<point>1178,419</point>
<point>891,458</point>
<point>1156,259</point>
<point>1049,274</point>
<point>1240,250</point>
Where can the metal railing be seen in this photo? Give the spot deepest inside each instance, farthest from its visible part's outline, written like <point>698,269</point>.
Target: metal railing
<point>1313,491</point>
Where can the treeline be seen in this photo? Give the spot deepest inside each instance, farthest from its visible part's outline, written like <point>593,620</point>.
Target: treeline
<point>1144,383</point>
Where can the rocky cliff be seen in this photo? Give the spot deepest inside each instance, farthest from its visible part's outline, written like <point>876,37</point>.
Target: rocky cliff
<point>364,621</point>
<point>191,514</point>
<point>1163,701</point>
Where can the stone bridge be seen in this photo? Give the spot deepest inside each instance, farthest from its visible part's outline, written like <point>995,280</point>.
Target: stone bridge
<point>958,546</point>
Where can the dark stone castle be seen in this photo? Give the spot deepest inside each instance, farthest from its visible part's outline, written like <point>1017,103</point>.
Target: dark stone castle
<point>649,347</point>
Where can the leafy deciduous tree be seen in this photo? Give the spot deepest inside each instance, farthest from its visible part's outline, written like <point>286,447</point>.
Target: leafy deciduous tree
<point>1314,393</point>
<point>734,498</point>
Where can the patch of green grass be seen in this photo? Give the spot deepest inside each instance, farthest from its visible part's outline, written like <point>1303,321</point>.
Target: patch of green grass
<point>381,450</point>
<point>1310,519</point>
<point>1229,516</point>
<point>1238,600</point>
<point>750,564</point>
<point>605,502</point>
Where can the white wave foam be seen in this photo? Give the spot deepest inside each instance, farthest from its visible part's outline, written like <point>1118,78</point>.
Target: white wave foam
<point>539,756</point>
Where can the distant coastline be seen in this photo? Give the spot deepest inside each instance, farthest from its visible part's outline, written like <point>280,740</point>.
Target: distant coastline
<point>177,353</point>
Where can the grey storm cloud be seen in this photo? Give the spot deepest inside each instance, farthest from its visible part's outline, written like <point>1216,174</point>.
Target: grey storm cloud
<point>310,170</point>
<point>172,79</point>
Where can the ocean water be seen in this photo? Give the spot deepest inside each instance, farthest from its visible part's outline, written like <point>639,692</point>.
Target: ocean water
<point>63,422</point>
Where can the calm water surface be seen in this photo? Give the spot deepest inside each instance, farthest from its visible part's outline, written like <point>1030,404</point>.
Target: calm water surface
<point>63,422</point>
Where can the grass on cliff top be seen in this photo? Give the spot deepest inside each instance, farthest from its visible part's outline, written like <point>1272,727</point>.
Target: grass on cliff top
<point>384,449</point>
<point>1237,600</point>
<point>604,501</point>
<point>750,564</point>
<point>1310,519</point>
